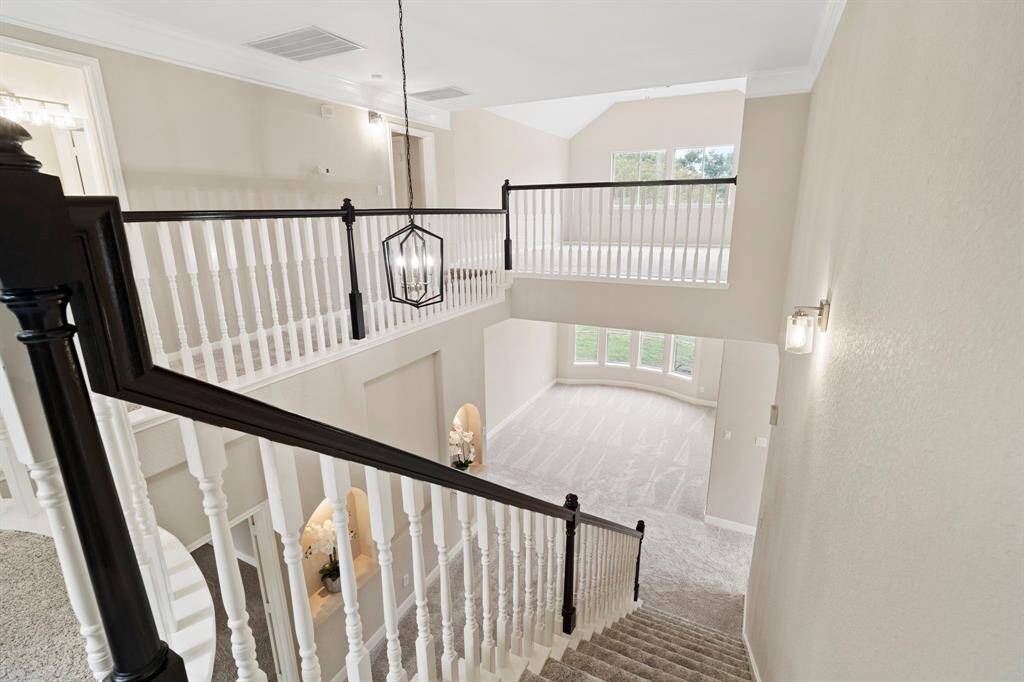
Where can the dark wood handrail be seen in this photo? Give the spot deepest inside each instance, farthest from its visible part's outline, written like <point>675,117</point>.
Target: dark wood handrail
<point>270,214</point>
<point>638,183</point>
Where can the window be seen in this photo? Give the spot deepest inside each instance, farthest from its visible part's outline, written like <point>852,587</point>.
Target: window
<point>703,162</point>
<point>617,342</point>
<point>682,355</point>
<point>638,166</point>
<point>586,345</point>
<point>652,351</point>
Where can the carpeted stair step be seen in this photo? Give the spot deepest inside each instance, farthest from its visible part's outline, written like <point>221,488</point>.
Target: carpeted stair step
<point>661,635</point>
<point>528,676</point>
<point>671,630</point>
<point>602,670</point>
<point>687,647</point>
<point>681,667</point>
<point>625,663</point>
<point>680,622</point>
<point>558,671</point>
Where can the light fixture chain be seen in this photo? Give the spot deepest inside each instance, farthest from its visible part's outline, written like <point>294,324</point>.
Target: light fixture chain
<point>405,107</point>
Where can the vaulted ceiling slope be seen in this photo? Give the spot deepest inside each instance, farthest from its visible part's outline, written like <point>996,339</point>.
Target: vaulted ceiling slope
<point>500,52</point>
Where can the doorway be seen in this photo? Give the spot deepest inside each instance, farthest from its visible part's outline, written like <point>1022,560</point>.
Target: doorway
<point>58,97</point>
<point>421,161</point>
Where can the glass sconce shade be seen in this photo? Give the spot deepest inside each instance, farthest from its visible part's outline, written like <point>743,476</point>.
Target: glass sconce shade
<point>800,333</point>
<point>415,266</point>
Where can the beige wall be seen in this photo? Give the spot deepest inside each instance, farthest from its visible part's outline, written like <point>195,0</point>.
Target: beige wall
<point>769,171</point>
<point>703,387</point>
<point>520,361</point>
<point>749,374</point>
<point>661,123</point>
<point>489,148</point>
<point>891,535</point>
<point>182,133</point>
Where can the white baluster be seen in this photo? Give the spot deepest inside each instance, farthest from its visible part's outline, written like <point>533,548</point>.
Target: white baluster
<point>286,290</point>
<point>471,659</point>
<point>539,634</point>
<point>514,546</point>
<point>286,514</point>
<point>267,254</point>
<point>314,287</point>
<point>300,277</point>
<point>600,230</point>
<point>207,460</point>
<point>501,625</point>
<point>325,258</point>
<point>675,233</point>
<point>583,535</point>
<point>382,527</point>
<point>213,262</point>
<point>337,227</point>
<point>593,554</point>
<point>231,256</point>
<point>629,240</point>
<point>192,268</point>
<point>384,305</point>
<point>711,229</point>
<point>483,536</point>
<point>412,504</point>
<point>171,268</point>
<point>700,227</point>
<point>686,238</point>
<point>250,265</point>
<point>15,475</point>
<point>33,448</point>
<point>549,599</point>
<point>528,603</point>
<point>337,483</point>
<point>374,329</point>
<point>443,540</point>
<point>723,241</point>
<point>140,268</point>
<point>556,609</point>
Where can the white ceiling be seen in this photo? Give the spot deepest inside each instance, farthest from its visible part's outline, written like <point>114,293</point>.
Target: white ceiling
<point>501,51</point>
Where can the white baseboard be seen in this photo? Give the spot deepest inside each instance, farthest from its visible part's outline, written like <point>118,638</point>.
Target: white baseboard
<point>731,525</point>
<point>637,385</point>
<point>755,673</point>
<point>492,432</point>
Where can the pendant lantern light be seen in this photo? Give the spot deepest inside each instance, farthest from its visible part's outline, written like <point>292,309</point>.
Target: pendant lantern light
<point>414,256</point>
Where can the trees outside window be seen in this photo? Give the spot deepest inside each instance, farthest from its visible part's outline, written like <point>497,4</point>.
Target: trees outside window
<point>586,344</point>
<point>617,346</point>
<point>652,351</point>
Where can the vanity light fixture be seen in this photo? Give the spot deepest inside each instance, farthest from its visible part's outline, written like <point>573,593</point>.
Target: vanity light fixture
<point>376,120</point>
<point>800,326</point>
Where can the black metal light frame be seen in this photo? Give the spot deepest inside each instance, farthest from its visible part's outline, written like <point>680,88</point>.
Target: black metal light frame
<point>397,289</point>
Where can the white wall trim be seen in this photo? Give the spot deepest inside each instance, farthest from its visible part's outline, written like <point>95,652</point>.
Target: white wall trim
<point>492,432</point>
<point>428,153</point>
<point>642,387</point>
<point>729,525</point>
<point>826,32</point>
<point>97,24</point>
<point>232,521</point>
<point>746,645</point>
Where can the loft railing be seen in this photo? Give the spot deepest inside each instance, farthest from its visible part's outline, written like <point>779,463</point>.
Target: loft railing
<point>58,252</point>
<point>233,295</point>
<point>663,231</point>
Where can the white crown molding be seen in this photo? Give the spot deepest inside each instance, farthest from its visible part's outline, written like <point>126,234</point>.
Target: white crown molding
<point>89,23</point>
<point>826,32</point>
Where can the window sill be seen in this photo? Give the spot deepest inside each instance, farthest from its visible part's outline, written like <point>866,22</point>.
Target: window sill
<point>652,370</point>
<point>617,365</point>
<point>584,363</point>
<point>683,377</point>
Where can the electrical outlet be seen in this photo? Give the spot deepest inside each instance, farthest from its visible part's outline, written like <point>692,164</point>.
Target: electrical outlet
<point>323,170</point>
<point>761,441</point>
<point>405,580</point>
<point>701,389</point>
<point>380,190</point>
<point>727,435</point>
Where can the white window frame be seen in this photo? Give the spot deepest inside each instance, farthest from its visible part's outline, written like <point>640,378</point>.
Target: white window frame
<point>629,356</point>
<point>639,345</point>
<point>672,359</point>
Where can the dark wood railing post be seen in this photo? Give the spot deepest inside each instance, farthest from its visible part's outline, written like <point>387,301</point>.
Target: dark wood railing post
<point>355,298</point>
<point>508,227</point>
<point>572,503</point>
<point>38,271</point>
<point>636,580</point>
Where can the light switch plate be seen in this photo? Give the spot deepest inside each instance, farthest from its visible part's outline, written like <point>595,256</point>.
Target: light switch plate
<point>761,441</point>
<point>727,435</point>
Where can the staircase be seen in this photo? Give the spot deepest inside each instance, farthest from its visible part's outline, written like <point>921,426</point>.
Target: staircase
<point>649,645</point>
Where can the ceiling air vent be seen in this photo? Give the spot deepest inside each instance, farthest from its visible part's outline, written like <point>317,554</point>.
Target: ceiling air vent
<point>305,44</point>
<point>440,93</point>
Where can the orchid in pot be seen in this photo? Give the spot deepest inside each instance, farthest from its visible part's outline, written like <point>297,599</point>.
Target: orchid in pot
<point>324,540</point>
<point>460,448</point>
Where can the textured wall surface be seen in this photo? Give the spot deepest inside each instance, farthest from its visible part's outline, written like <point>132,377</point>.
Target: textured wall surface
<point>891,533</point>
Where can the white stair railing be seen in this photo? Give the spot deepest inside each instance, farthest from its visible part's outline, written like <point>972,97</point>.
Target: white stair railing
<point>671,232</point>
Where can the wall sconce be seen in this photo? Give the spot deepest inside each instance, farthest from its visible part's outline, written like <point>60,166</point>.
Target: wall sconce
<point>800,326</point>
<point>376,120</point>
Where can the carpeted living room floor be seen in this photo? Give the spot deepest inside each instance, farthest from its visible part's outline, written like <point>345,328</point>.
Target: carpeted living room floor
<point>631,454</point>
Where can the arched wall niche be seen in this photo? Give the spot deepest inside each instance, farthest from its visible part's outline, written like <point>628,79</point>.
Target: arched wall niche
<point>467,418</point>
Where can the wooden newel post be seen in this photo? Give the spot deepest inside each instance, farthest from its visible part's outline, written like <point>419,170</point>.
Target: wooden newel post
<point>40,259</point>
<point>572,503</point>
<point>636,580</point>
<point>508,227</point>
<point>355,298</point>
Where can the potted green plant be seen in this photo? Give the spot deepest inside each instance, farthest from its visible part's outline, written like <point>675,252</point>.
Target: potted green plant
<point>330,574</point>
